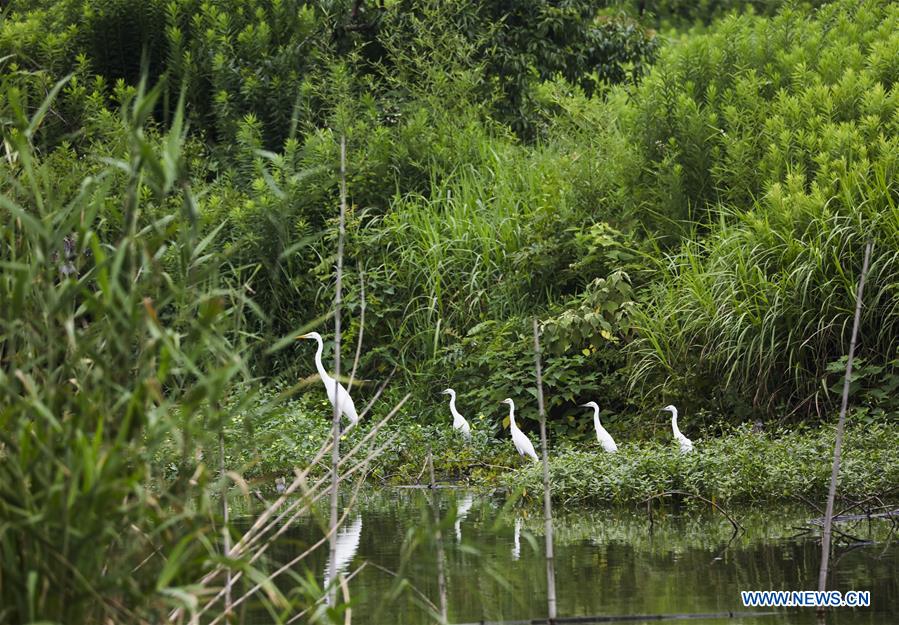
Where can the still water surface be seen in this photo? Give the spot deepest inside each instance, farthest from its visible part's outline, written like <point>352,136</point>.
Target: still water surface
<point>608,562</point>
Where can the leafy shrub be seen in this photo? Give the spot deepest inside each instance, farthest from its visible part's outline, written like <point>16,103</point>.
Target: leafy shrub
<point>752,102</point>
<point>517,44</point>
<point>705,11</point>
<point>583,361</point>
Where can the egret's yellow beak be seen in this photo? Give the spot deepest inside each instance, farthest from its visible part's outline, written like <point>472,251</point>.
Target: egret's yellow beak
<point>302,336</point>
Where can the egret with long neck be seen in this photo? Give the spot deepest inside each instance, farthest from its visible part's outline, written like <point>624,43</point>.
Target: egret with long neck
<point>686,445</point>
<point>605,439</point>
<point>336,392</point>
<point>522,443</point>
<point>459,422</point>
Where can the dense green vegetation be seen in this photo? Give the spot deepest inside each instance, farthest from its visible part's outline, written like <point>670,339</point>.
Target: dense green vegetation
<point>740,467</point>
<point>685,214</point>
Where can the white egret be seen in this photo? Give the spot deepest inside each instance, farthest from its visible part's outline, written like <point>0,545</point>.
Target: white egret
<point>344,401</point>
<point>522,443</point>
<point>462,511</point>
<point>605,439</point>
<point>459,422</point>
<point>685,443</point>
<point>346,548</point>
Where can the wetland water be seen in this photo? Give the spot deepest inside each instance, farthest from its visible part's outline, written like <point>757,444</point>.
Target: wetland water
<point>608,562</point>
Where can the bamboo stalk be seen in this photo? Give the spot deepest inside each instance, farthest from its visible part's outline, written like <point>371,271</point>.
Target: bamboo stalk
<point>312,496</point>
<point>841,425</point>
<point>263,525</point>
<point>438,538</point>
<point>226,530</point>
<point>547,497</point>
<point>293,562</point>
<point>259,552</point>
<point>335,425</point>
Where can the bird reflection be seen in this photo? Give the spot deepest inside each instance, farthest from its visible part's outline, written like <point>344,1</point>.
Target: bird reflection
<point>347,546</point>
<point>516,545</point>
<point>461,512</point>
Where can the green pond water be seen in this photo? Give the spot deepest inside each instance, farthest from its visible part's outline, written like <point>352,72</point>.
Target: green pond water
<point>608,562</point>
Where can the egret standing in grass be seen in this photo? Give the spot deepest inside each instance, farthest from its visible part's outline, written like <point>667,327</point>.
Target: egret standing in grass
<point>522,443</point>
<point>459,422</point>
<point>605,439</point>
<point>686,445</point>
<point>343,400</point>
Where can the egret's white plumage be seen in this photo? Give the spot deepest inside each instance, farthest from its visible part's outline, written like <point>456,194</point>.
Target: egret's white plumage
<point>459,422</point>
<point>605,439</point>
<point>522,443</point>
<point>344,401</point>
<point>685,443</point>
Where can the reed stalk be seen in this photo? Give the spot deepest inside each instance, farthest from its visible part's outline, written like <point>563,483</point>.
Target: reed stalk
<point>547,495</point>
<point>841,426</point>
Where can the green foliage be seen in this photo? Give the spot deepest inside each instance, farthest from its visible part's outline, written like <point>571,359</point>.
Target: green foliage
<point>121,37</point>
<point>495,360</point>
<point>521,42</point>
<point>111,337</point>
<point>789,164</point>
<point>706,11</point>
<point>872,386</point>
<point>739,467</point>
<point>247,60</point>
<point>697,235</point>
<point>753,102</point>
<point>775,295</point>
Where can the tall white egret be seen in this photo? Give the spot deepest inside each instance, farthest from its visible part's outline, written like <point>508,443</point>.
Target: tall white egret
<point>605,439</point>
<point>685,443</point>
<point>344,401</point>
<point>347,545</point>
<point>522,443</point>
<point>462,511</point>
<point>459,422</point>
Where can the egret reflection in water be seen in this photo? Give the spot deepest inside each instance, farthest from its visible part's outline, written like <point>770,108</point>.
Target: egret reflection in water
<point>347,545</point>
<point>516,538</point>
<point>495,574</point>
<point>462,511</point>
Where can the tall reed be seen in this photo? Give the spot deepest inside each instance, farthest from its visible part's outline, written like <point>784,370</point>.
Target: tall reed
<point>114,335</point>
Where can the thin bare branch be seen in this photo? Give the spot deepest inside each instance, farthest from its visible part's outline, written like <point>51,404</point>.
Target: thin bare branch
<point>361,328</point>
<point>841,426</point>
<point>547,495</point>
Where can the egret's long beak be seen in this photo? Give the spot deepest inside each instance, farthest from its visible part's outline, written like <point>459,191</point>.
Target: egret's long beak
<point>585,406</point>
<point>302,336</point>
